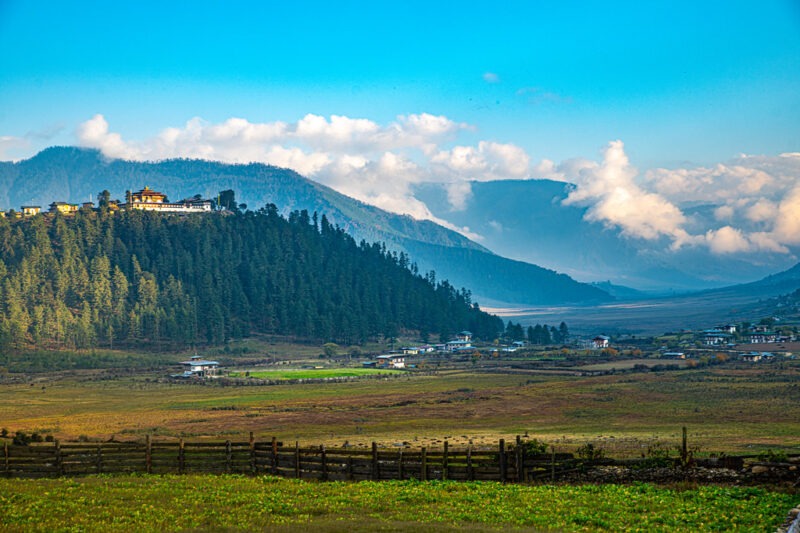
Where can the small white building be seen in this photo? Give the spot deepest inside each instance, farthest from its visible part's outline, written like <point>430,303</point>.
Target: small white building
<point>465,336</point>
<point>601,341</point>
<point>454,346</point>
<point>391,361</point>
<point>197,367</point>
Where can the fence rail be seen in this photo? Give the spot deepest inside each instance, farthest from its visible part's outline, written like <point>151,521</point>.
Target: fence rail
<point>503,463</point>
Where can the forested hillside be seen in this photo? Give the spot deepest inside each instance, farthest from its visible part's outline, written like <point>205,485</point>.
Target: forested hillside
<point>74,174</point>
<point>110,279</point>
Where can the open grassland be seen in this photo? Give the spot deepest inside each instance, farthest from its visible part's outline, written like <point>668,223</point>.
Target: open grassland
<point>313,373</point>
<point>727,409</point>
<point>234,503</point>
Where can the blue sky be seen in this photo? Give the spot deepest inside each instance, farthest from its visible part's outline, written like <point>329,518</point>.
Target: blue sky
<point>677,81</point>
<point>644,105</point>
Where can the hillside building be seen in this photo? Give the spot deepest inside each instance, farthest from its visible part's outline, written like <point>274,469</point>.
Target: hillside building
<point>64,208</point>
<point>149,200</point>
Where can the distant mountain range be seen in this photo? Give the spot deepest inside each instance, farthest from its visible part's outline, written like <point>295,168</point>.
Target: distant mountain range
<point>528,221</point>
<point>75,175</point>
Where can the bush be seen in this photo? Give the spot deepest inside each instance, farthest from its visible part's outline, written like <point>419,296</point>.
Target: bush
<point>21,438</point>
<point>533,447</point>
<point>772,456</point>
<point>589,452</point>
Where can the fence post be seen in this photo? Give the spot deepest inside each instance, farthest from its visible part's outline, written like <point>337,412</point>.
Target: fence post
<point>470,469</point>
<point>400,465</point>
<point>424,467</point>
<point>148,455</point>
<point>350,468</point>
<point>274,456</point>
<point>375,474</point>
<point>99,459</point>
<point>228,457</point>
<point>502,459</point>
<point>684,448</point>
<point>181,457</point>
<point>297,459</point>
<point>5,459</point>
<point>324,460</point>
<point>444,462</point>
<point>518,460</point>
<point>59,458</point>
<point>253,465</point>
<point>552,464</point>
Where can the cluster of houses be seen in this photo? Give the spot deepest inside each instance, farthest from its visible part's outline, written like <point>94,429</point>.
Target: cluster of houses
<point>726,335</point>
<point>462,343</point>
<point>146,200</point>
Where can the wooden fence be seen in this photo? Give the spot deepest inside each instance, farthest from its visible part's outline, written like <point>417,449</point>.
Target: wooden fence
<point>506,464</point>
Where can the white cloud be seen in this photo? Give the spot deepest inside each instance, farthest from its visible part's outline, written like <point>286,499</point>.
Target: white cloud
<point>724,212</point>
<point>486,162</point>
<point>754,200</point>
<point>761,211</point>
<point>727,240</point>
<point>9,145</point>
<point>491,77</point>
<point>614,198</point>
<point>787,218</point>
<point>458,193</point>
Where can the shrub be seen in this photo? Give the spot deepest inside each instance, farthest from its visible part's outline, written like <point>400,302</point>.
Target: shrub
<point>589,452</point>
<point>772,456</point>
<point>21,438</point>
<point>533,447</point>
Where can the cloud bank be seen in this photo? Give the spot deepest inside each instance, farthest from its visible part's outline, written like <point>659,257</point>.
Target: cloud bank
<point>753,202</point>
<point>755,199</point>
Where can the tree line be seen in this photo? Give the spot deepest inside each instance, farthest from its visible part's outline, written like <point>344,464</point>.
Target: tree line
<point>538,334</point>
<point>103,278</point>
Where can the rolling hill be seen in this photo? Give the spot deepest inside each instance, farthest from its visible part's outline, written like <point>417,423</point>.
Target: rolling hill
<point>75,174</point>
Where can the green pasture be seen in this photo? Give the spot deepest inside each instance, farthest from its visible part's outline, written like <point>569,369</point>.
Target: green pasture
<point>312,373</point>
<point>236,503</point>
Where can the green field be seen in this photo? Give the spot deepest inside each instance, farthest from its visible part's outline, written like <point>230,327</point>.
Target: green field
<point>733,409</point>
<point>312,373</point>
<point>235,503</point>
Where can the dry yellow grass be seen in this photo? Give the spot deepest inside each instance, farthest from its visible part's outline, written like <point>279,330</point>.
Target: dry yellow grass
<point>725,409</point>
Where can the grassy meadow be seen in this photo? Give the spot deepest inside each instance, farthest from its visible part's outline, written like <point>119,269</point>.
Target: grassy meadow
<point>745,408</point>
<point>312,373</point>
<point>235,503</point>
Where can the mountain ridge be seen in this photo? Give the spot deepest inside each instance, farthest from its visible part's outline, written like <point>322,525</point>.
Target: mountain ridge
<point>73,174</point>
<point>511,213</point>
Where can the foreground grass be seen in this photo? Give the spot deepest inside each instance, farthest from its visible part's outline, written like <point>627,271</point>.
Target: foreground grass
<point>234,503</point>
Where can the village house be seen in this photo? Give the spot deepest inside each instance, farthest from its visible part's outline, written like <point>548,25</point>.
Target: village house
<point>149,200</point>
<point>600,342</point>
<point>197,367</point>
<point>714,337</point>
<point>63,208</point>
<point>30,210</point>
<point>391,361</point>
<point>758,337</point>
<point>454,346</point>
<point>752,357</point>
<point>465,336</point>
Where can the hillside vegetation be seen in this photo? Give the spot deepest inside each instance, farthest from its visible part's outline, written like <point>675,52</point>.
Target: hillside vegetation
<point>101,279</point>
<point>74,174</point>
